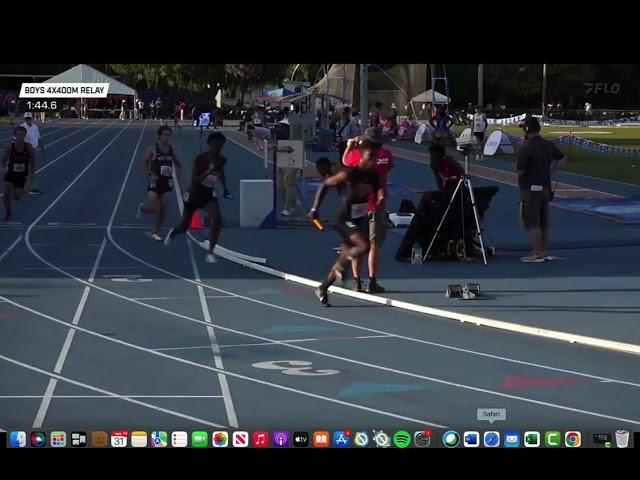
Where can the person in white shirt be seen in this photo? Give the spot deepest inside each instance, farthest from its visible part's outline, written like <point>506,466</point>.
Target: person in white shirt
<point>140,109</point>
<point>123,109</point>
<point>479,129</point>
<point>34,139</point>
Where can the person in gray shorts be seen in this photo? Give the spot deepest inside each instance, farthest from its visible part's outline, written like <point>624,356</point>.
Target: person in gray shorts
<point>537,159</point>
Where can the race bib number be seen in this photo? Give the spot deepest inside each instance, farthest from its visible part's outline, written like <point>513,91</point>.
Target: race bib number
<point>18,167</point>
<point>170,183</point>
<point>536,188</point>
<point>358,210</point>
<point>152,184</point>
<point>209,181</point>
<point>166,170</point>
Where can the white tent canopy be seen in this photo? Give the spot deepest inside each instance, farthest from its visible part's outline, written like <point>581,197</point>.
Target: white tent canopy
<point>86,74</point>
<point>431,96</point>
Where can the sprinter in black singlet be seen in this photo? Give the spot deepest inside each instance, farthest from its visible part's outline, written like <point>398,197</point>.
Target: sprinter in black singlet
<point>353,223</point>
<point>208,169</point>
<point>17,163</point>
<point>160,160</point>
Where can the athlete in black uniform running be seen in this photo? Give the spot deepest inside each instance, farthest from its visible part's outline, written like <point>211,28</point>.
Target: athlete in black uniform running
<point>352,225</point>
<point>208,168</point>
<point>17,162</point>
<point>159,160</point>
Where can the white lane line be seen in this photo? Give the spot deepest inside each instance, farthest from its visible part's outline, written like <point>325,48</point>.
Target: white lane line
<point>56,376</point>
<point>106,397</point>
<point>44,404</point>
<point>217,370</point>
<point>259,344</point>
<point>182,298</point>
<point>10,248</point>
<point>56,225</point>
<point>70,224</point>
<point>217,358</point>
<point>62,356</point>
<point>84,268</point>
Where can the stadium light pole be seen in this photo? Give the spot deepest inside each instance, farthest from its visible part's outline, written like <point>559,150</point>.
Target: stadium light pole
<point>481,84</point>
<point>544,86</point>
<point>364,100</point>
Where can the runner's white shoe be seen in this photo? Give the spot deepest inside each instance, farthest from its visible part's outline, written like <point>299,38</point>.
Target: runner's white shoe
<point>211,258</point>
<point>532,259</point>
<point>157,237</point>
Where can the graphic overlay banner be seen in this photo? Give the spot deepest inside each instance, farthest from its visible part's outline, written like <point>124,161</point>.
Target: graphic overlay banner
<point>64,90</point>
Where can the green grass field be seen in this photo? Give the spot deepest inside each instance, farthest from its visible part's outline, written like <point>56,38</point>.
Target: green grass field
<point>585,162</point>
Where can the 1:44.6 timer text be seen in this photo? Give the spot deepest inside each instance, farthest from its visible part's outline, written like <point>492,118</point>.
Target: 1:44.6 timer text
<point>41,105</point>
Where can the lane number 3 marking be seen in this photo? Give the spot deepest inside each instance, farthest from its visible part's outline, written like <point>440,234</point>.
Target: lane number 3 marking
<point>295,367</point>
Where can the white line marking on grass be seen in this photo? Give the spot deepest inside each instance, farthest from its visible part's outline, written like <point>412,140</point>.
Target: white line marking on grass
<point>401,153</point>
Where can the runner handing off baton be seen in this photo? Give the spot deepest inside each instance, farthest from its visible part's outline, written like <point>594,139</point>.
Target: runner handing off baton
<point>352,225</point>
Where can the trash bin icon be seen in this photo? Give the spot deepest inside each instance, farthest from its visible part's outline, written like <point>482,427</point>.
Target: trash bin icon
<point>622,438</point>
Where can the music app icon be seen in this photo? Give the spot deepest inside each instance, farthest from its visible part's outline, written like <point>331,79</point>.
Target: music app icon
<point>261,439</point>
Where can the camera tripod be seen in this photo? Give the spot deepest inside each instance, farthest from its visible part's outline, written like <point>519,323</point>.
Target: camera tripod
<point>463,182</point>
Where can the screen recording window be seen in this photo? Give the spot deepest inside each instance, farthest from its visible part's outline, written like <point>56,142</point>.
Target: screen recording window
<point>319,256</point>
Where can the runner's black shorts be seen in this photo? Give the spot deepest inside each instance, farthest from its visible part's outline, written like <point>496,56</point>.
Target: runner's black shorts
<point>346,229</point>
<point>160,186</point>
<point>196,198</point>
<point>17,179</point>
<point>479,136</point>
